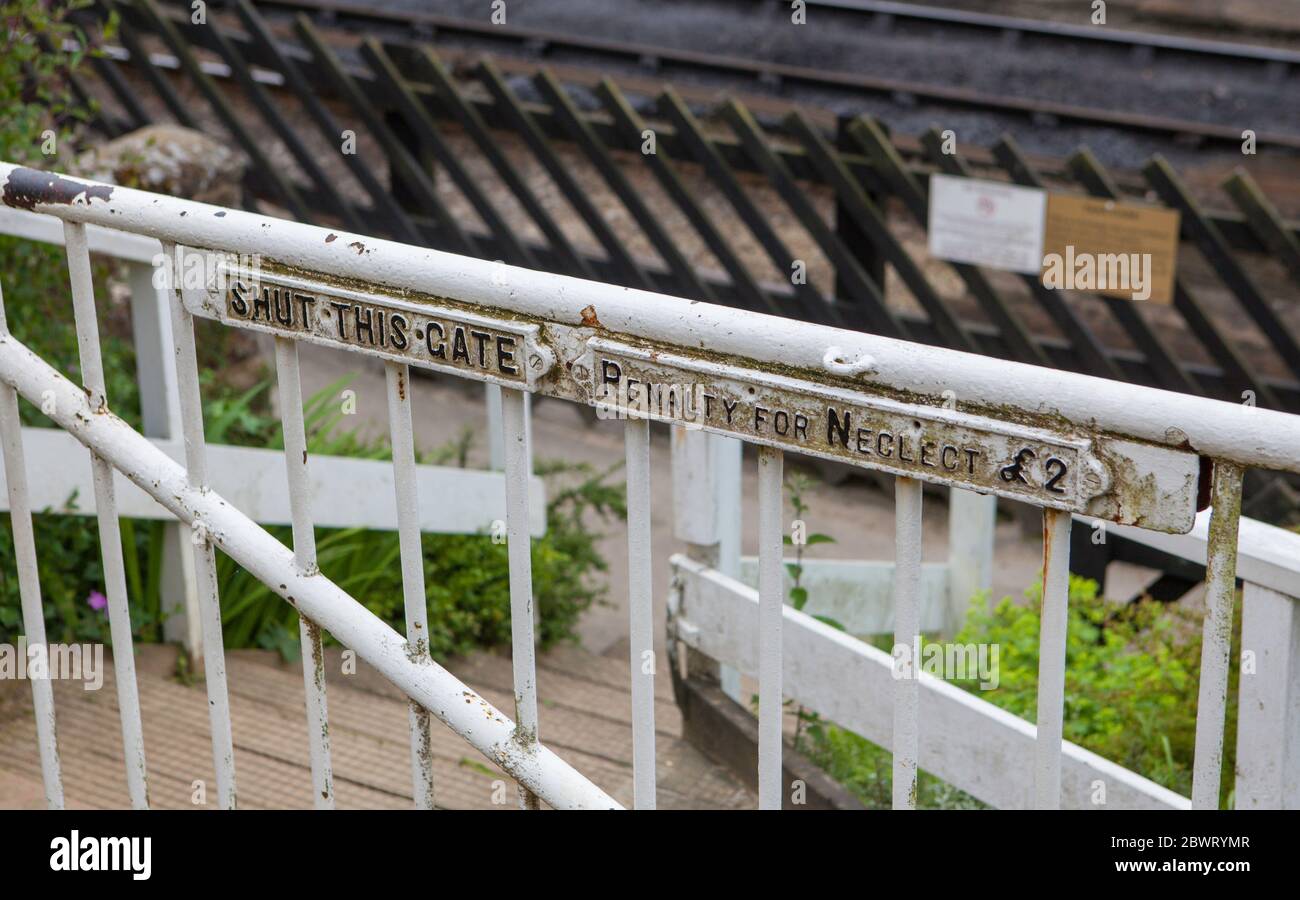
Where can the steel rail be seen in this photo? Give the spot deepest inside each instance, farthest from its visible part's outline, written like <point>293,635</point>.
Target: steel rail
<point>420,26</point>
<point>1044,28</point>
<point>1248,436</point>
<point>874,9</point>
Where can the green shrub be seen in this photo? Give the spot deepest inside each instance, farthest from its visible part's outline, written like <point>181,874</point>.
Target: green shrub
<point>466,576</point>
<point>35,88</point>
<point>1130,692</point>
<point>1131,677</point>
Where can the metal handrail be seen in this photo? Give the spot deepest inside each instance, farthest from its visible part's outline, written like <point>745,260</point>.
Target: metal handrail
<point>1245,435</point>
<point>1068,443</point>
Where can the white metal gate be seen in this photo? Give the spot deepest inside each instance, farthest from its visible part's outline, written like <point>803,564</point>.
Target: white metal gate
<point>1071,444</point>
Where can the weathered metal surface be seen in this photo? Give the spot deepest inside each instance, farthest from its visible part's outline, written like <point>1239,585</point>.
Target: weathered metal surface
<point>402,435</point>
<point>1216,634</point>
<point>771,603</point>
<point>573,309</point>
<point>907,634</point>
<point>110,534</point>
<point>1067,470</point>
<point>1051,660</point>
<point>499,351</point>
<point>536,767</point>
<point>29,583</point>
<point>289,384</point>
<point>205,557</point>
<point>640,603</point>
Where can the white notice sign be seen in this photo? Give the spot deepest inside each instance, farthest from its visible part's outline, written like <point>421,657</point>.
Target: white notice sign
<point>987,223</point>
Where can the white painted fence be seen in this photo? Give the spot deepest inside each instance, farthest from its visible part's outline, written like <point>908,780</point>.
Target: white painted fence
<point>1068,443</point>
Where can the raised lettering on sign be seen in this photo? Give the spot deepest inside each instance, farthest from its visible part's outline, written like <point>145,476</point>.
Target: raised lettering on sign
<point>922,442</point>
<point>422,336</point>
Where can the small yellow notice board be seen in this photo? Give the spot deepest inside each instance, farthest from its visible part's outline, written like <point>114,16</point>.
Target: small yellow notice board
<point>1107,247</point>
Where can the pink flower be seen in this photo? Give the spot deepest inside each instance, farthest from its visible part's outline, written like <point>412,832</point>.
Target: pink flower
<point>97,600</point>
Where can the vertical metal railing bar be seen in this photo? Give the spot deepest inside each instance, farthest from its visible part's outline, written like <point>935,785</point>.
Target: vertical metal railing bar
<point>406,487</point>
<point>205,560</point>
<point>29,585</point>
<point>771,606</point>
<point>496,444</point>
<point>636,437</point>
<point>110,532</point>
<point>1051,658</point>
<point>1216,637</point>
<point>907,632</point>
<point>289,383</point>
<point>519,548</point>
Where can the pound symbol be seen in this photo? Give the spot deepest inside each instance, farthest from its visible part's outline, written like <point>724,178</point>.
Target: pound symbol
<point>1016,470</point>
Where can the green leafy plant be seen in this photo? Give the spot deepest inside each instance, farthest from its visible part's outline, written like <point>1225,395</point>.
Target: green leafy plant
<point>796,485</point>
<point>1131,677</point>
<point>1131,686</point>
<point>1130,693</point>
<point>466,576</point>
<point>40,51</point>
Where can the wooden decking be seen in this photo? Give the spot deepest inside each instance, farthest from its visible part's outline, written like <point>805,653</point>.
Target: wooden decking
<point>585,718</point>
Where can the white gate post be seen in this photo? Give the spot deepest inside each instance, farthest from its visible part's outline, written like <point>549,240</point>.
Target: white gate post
<point>728,458</point>
<point>160,410</point>
<point>1268,713</point>
<point>496,439</point>
<point>972,518</point>
<point>695,497</point>
<point>707,510</point>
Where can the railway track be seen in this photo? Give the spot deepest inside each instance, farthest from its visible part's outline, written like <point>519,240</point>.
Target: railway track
<point>1276,62</point>
<point>842,87</point>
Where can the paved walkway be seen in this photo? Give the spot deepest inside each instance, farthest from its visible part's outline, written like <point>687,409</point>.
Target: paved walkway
<point>585,718</point>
